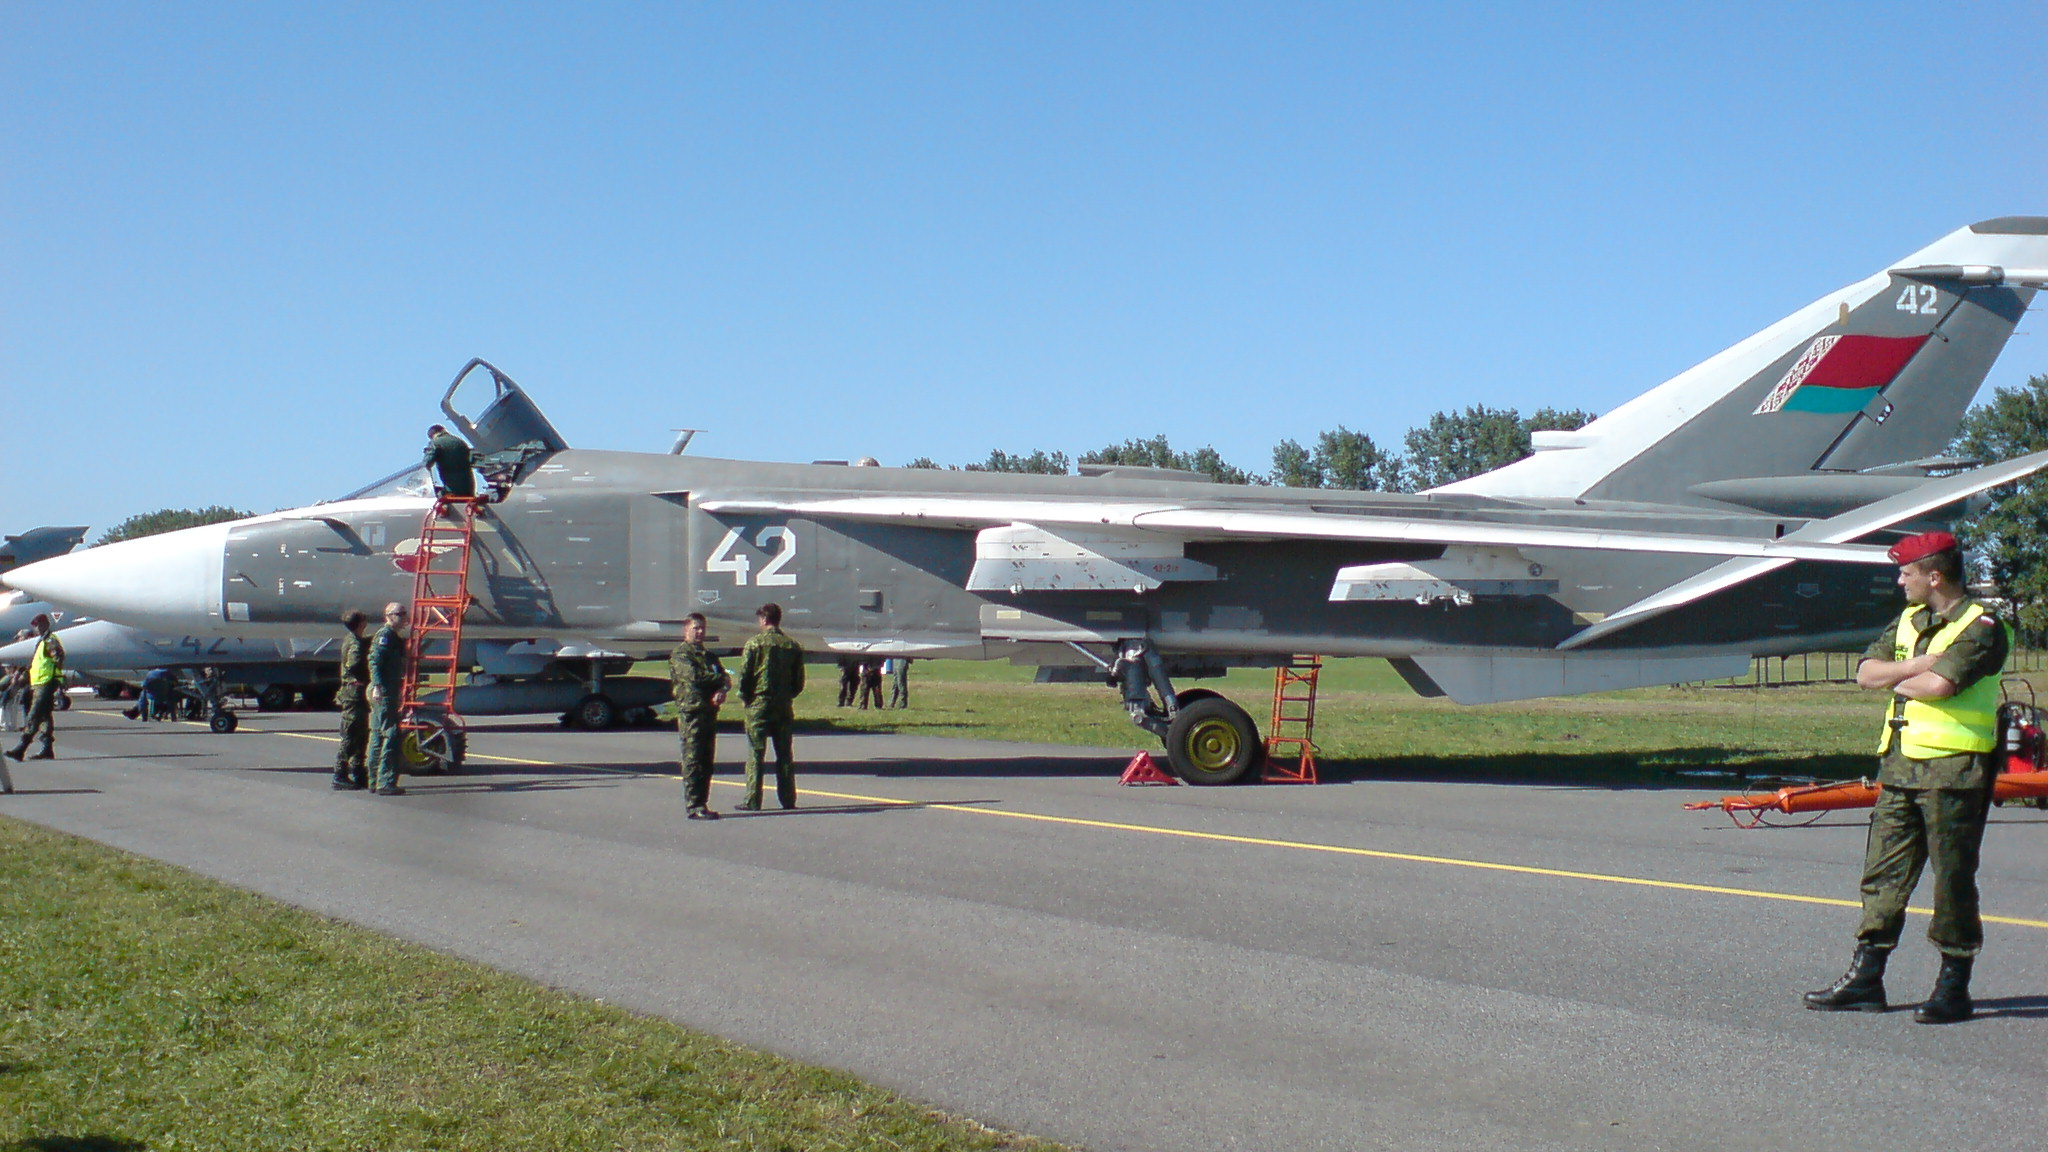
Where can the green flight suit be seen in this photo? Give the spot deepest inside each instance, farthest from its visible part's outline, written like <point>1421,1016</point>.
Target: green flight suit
<point>771,678</point>
<point>351,760</point>
<point>697,678</point>
<point>387,672</point>
<point>449,456</point>
<point>1932,810</point>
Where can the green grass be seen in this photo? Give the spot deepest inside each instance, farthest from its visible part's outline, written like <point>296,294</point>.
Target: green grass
<point>1370,724</point>
<point>146,1008</point>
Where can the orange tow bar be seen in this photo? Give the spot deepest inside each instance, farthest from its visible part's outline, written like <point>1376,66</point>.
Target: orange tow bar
<point>1851,794</point>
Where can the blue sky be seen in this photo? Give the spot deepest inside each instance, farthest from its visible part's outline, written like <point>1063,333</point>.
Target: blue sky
<point>244,247</point>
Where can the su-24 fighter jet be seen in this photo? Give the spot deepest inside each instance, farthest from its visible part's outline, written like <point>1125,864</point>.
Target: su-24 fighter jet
<point>1743,506</point>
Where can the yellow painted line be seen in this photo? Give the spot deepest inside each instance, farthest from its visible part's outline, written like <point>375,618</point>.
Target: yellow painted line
<point>1293,845</point>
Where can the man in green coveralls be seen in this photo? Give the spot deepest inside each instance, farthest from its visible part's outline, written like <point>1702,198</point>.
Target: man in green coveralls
<point>448,455</point>
<point>1940,661</point>
<point>45,680</point>
<point>771,678</point>
<point>700,684</point>
<point>387,687</point>
<point>350,773</point>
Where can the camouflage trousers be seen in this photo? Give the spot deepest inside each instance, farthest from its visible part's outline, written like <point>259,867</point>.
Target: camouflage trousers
<point>349,761</point>
<point>764,727</point>
<point>1909,828</point>
<point>42,717</point>
<point>698,732</point>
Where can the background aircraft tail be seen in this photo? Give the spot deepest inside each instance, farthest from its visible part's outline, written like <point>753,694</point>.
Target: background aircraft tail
<point>1876,374</point>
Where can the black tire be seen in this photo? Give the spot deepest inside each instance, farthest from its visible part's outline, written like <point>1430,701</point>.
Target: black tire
<point>274,698</point>
<point>1213,742</point>
<point>62,703</point>
<point>596,712</point>
<point>223,722</point>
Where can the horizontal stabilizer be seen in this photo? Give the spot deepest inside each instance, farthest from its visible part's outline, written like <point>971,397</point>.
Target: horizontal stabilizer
<point>1848,526</point>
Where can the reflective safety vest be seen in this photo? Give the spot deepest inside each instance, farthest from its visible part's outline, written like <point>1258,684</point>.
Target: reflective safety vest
<point>46,665</point>
<point>1964,722</point>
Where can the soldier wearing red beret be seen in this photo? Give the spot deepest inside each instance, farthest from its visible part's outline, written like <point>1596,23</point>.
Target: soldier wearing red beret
<point>1940,661</point>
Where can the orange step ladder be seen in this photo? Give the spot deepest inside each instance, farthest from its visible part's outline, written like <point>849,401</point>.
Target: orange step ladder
<point>1293,731</point>
<point>440,599</point>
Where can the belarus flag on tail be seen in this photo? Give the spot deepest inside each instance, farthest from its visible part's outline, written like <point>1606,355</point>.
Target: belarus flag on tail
<point>1841,373</point>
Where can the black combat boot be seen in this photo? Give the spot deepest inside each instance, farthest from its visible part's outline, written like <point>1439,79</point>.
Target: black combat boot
<point>1950,1003</point>
<point>1861,988</point>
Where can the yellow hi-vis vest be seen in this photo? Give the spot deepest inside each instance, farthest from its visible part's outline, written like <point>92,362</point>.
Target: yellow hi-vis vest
<point>1964,722</point>
<point>46,665</point>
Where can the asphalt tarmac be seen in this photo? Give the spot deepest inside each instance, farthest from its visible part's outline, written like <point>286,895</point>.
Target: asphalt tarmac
<point>1005,932</point>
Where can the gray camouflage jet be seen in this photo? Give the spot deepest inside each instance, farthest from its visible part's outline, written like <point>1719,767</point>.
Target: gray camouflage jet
<point>1739,509</point>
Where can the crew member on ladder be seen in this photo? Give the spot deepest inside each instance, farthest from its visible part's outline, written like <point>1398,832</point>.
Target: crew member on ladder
<point>1940,661</point>
<point>448,455</point>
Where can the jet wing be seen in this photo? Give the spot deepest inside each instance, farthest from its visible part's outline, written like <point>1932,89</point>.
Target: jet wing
<point>1848,526</point>
<point>1186,522</point>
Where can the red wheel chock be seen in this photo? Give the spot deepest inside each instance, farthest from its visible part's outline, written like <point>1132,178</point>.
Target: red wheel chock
<point>1144,770</point>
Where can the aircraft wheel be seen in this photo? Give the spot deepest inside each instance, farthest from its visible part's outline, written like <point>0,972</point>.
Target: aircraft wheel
<point>63,702</point>
<point>274,698</point>
<point>222,722</point>
<point>435,753</point>
<point>1212,741</point>
<point>596,712</point>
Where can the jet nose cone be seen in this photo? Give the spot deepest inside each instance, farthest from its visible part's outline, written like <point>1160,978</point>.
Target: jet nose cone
<point>169,583</point>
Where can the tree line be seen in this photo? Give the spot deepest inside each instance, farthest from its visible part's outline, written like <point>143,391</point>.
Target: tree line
<point>1451,446</point>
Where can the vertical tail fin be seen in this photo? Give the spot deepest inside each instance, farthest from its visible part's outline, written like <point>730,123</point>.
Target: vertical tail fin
<point>1878,373</point>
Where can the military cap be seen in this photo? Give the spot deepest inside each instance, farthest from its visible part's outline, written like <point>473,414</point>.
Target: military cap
<point>1921,547</point>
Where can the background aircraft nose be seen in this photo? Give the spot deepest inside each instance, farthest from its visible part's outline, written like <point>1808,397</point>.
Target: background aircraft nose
<point>168,583</point>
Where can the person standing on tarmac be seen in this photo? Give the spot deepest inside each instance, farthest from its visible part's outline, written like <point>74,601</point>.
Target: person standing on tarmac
<point>45,680</point>
<point>899,682</point>
<point>771,678</point>
<point>448,455</point>
<point>849,680</point>
<point>350,762</point>
<point>387,686</point>
<point>1941,662</point>
<point>700,685</point>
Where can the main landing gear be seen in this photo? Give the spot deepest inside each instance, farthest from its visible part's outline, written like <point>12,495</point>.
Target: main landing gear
<point>1208,739</point>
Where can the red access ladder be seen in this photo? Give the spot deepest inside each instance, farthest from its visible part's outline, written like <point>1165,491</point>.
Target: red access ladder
<point>440,599</point>
<point>1293,731</point>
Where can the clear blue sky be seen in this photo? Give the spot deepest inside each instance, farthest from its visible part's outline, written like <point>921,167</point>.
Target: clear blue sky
<point>244,247</point>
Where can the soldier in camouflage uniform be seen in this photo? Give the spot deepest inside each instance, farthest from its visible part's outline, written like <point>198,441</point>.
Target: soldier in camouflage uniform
<point>771,677</point>
<point>700,685</point>
<point>350,773</point>
<point>1940,661</point>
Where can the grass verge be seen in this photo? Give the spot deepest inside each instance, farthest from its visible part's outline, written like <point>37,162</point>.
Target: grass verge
<point>148,1008</point>
<point>1371,725</point>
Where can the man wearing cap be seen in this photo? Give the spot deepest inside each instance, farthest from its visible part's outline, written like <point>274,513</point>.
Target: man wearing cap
<point>45,680</point>
<point>1940,661</point>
